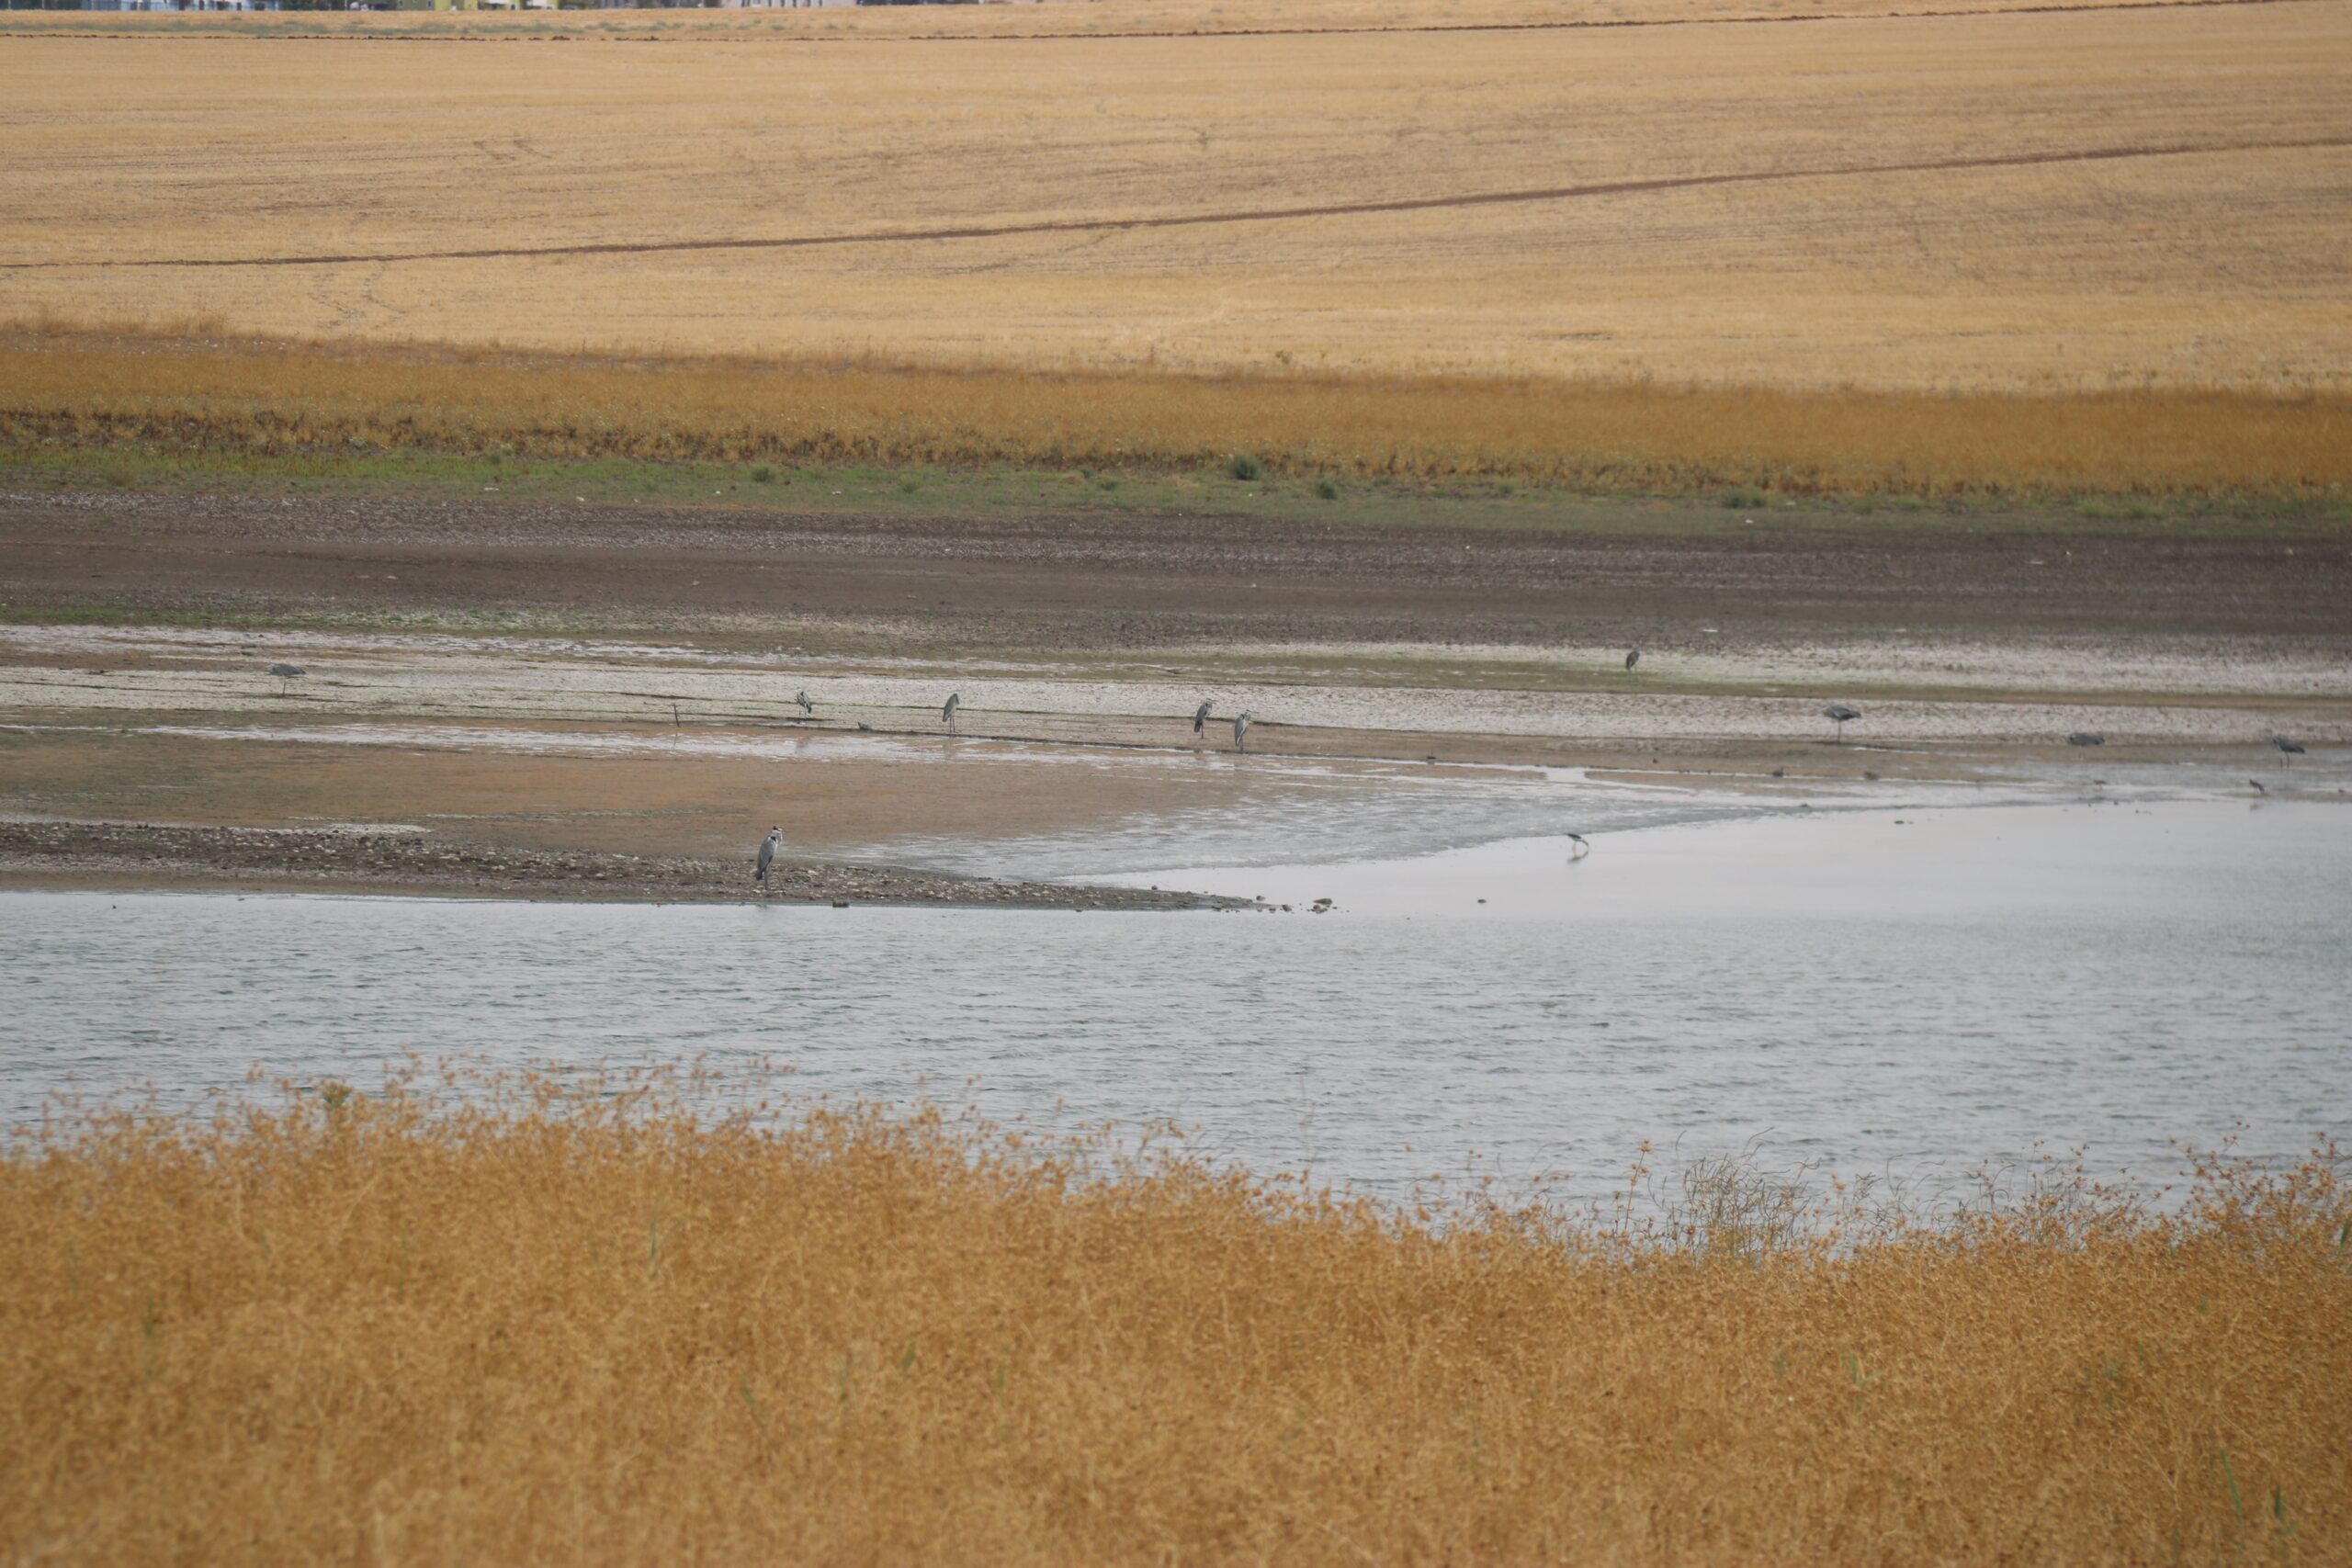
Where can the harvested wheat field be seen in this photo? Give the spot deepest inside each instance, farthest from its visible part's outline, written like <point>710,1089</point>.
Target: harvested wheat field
<point>1096,18</point>
<point>2067,251</point>
<point>2070,201</point>
<point>579,1326</point>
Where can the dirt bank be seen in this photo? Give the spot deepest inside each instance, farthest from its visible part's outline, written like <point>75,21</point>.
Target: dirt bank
<point>147,856</point>
<point>1110,581</point>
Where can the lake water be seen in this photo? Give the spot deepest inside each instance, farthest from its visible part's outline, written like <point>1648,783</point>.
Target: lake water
<point>1915,990</point>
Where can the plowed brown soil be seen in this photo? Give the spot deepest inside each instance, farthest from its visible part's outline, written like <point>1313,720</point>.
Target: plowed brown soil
<point>1123,581</point>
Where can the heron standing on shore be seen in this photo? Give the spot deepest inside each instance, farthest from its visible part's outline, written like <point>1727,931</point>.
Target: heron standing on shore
<point>1200,717</point>
<point>1581,850</point>
<point>2288,750</point>
<point>767,853</point>
<point>287,675</point>
<point>802,700</point>
<point>1632,657</point>
<point>1841,715</point>
<point>947,713</point>
<point>1241,731</point>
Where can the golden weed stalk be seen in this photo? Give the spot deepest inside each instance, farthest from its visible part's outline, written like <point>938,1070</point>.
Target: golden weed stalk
<point>266,398</point>
<point>588,1324</point>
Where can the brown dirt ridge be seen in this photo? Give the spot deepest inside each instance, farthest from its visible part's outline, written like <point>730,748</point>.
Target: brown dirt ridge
<point>117,855</point>
<point>1112,580</point>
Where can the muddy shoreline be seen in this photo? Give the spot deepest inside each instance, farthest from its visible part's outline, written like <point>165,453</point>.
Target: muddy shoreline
<point>1095,580</point>
<point>148,857</point>
<point>526,700</point>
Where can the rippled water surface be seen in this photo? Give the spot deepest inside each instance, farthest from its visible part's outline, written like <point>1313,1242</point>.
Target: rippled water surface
<point>1919,989</point>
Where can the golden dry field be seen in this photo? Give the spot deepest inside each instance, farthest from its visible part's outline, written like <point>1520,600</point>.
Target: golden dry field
<point>574,1326</point>
<point>2057,200</point>
<point>1050,18</point>
<point>255,399</point>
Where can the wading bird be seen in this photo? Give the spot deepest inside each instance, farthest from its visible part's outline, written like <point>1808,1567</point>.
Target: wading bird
<point>2288,750</point>
<point>1241,732</point>
<point>767,853</point>
<point>1632,657</point>
<point>1201,717</point>
<point>802,699</point>
<point>1841,715</point>
<point>2087,738</point>
<point>2257,786</point>
<point>947,713</point>
<point>287,675</point>
<point>1581,849</point>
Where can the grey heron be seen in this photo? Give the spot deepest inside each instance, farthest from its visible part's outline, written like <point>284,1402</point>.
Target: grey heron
<point>767,853</point>
<point>1632,657</point>
<point>1841,715</point>
<point>947,713</point>
<point>2288,750</point>
<point>802,700</point>
<point>287,675</point>
<point>1582,848</point>
<point>1241,731</point>
<point>2257,786</point>
<point>1200,717</point>
<point>2087,738</point>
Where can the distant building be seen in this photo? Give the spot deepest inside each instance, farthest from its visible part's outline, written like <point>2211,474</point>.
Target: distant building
<point>722,4</point>
<point>180,5</point>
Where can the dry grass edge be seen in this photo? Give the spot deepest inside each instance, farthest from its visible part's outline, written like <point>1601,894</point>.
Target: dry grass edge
<point>585,1320</point>
<point>191,388</point>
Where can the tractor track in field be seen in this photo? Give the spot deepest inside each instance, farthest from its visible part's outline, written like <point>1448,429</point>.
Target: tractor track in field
<point>1589,23</point>
<point>950,232</point>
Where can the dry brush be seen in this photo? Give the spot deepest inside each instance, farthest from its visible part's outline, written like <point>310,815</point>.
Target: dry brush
<point>264,399</point>
<point>591,1326</point>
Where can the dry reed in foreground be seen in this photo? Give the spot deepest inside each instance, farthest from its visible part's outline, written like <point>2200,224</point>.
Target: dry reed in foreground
<point>577,1326</point>
<point>265,398</point>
